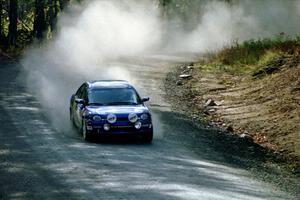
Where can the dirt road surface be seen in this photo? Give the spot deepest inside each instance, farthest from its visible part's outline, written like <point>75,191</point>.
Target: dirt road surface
<point>38,162</point>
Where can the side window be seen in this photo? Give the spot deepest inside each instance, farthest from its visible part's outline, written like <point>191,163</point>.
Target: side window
<point>84,94</point>
<point>80,91</point>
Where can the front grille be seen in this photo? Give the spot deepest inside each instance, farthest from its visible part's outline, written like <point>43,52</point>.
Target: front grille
<point>122,119</point>
<point>121,127</point>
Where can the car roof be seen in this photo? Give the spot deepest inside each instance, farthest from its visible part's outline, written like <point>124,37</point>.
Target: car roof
<point>109,84</point>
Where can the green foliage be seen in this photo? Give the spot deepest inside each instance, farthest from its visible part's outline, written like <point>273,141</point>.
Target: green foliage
<point>30,25</point>
<point>220,68</point>
<point>268,56</point>
<point>252,54</point>
<point>252,51</point>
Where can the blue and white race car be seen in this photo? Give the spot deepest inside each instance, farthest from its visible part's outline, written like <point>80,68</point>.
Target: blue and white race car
<point>110,107</point>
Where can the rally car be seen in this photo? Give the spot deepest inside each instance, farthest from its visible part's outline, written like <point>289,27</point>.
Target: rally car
<point>110,107</point>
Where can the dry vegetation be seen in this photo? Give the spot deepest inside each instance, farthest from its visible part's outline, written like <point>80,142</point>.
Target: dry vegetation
<point>256,95</point>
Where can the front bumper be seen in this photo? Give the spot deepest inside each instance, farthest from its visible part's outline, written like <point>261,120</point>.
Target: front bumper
<point>119,129</point>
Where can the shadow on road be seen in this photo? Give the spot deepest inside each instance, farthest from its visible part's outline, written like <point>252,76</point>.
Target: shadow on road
<point>38,162</point>
<point>183,163</point>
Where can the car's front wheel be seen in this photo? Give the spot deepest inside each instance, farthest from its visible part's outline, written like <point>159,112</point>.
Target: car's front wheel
<point>72,118</point>
<point>86,136</point>
<point>148,138</point>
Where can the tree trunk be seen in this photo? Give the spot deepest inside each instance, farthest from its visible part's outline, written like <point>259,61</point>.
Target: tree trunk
<point>39,19</point>
<point>164,7</point>
<point>51,14</point>
<point>13,18</point>
<point>164,3</point>
<point>63,4</point>
<point>56,8</point>
<point>1,27</point>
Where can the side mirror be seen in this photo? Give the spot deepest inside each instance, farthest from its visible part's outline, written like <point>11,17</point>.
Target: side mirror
<point>145,99</point>
<point>80,101</point>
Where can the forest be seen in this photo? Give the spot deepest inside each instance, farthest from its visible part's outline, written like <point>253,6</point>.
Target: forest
<point>25,21</point>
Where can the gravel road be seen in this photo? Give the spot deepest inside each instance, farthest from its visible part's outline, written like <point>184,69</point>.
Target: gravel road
<point>38,162</point>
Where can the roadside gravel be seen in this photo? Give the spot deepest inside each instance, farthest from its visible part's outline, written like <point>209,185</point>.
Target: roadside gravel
<point>264,163</point>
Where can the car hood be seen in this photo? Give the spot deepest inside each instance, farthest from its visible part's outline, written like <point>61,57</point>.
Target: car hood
<point>103,110</point>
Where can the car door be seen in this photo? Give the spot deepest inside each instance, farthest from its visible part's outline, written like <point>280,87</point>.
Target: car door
<point>78,107</point>
<point>81,107</point>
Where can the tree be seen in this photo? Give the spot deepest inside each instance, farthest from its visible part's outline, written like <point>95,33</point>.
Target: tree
<point>23,20</point>
<point>164,3</point>
<point>63,4</point>
<point>40,25</point>
<point>1,25</point>
<point>52,14</point>
<point>13,20</point>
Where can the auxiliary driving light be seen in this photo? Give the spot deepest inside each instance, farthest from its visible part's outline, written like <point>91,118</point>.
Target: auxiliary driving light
<point>138,125</point>
<point>106,127</point>
<point>111,118</point>
<point>132,117</point>
<point>97,118</point>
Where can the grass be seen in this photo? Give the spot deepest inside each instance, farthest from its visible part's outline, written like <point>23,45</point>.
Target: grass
<point>271,68</point>
<point>246,57</point>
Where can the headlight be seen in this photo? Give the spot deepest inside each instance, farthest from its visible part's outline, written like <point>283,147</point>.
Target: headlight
<point>138,125</point>
<point>106,127</point>
<point>144,116</point>
<point>132,117</point>
<point>111,118</point>
<point>97,118</point>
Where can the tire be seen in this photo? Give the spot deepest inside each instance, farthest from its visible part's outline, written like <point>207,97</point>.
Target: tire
<point>148,138</point>
<point>86,136</point>
<point>72,118</point>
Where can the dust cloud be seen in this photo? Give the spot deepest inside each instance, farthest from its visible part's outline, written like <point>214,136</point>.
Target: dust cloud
<point>93,35</point>
<point>89,37</point>
<point>218,23</point>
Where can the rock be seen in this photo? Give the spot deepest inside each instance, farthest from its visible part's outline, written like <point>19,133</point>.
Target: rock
<point>219,103</point>
<point>246,137</point>
<point>296,170</point>
<point>229,129</point>
<point>184,76</point>
<point>282,150</point>
<point>190,67</point>
<point>210,102</point>
<point>212,110</point>
<point>179,82</point>
<point>212,123</point>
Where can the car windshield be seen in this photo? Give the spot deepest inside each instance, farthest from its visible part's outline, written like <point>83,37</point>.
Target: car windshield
<point>113,96</point>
